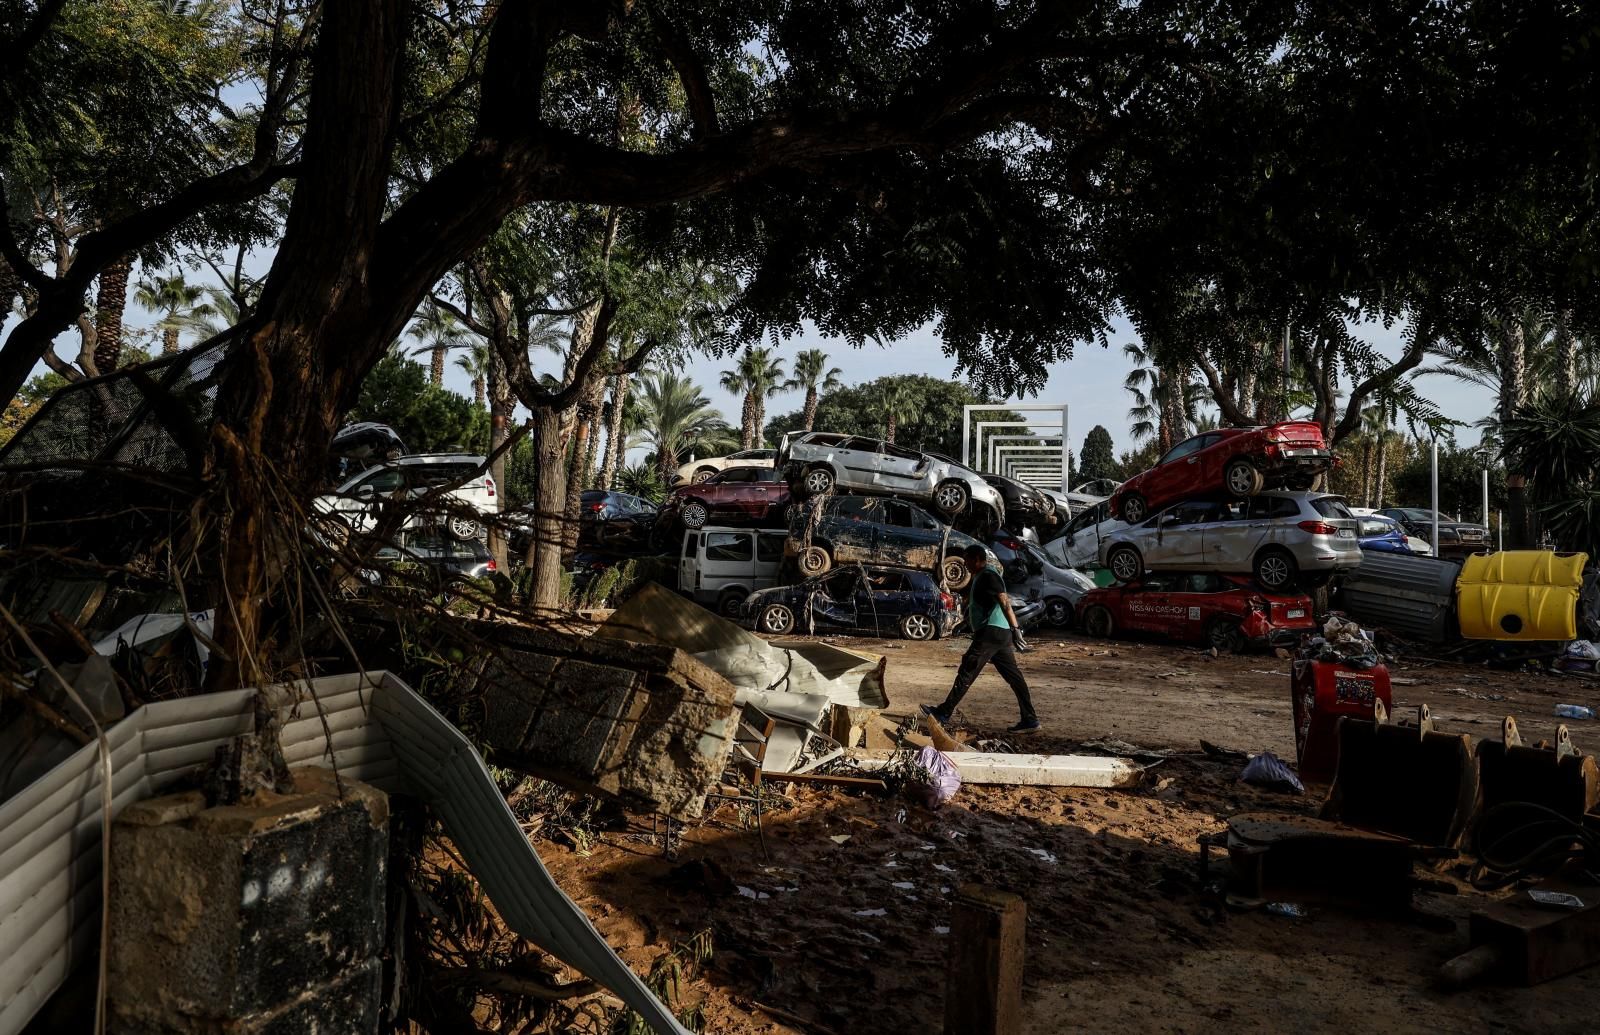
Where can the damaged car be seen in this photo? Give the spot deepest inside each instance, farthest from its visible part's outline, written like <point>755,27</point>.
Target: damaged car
<point>741,495</point>
<point>837,530</point>
<point>819,462</point>
<point>1227,463</point>
<point>1025,506</point>
<point>868,599</point>
<point>1222,611</point>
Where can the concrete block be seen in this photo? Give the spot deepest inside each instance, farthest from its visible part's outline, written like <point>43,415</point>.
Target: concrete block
<point>261,918</point>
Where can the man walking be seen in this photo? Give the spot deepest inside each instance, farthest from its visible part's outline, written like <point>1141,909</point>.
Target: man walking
<point>994,633</point>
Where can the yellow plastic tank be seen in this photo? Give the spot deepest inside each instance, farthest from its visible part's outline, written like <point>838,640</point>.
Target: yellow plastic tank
<point>1520,595</point>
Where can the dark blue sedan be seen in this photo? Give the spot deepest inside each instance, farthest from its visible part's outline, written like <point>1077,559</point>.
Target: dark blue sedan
<point>861,598</point>
<point>1384,534</point>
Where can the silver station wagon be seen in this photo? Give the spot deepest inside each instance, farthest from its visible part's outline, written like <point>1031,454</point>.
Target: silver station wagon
<point>822,461</point>
<point>1282,538</point>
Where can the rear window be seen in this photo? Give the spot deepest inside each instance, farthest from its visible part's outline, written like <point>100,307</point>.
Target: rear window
<point>824,440</point>
<point>1331,507</point>
<point>1371,527</point>
<point>1270,507</point>
<point>887,581</point>
<point>728,546</point>
<point>431,476</point>
<point>1204,583</point>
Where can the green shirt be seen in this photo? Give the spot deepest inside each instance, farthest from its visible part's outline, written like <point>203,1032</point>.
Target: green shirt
<point>983,601</point>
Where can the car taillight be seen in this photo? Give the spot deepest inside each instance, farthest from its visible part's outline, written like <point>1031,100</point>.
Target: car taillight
<point>948,601</point>
<point>1011,544</point>
<point>597,507</point>
<point>491,566</point>
<point>1319,528</point>
<point>488,485</point>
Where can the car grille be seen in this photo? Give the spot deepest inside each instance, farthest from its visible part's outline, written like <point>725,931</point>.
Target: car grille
<point>1474,534</point>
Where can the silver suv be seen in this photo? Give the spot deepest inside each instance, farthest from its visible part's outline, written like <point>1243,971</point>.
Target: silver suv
<point>821,461</point>
<point>465,493</point>
<point>1275,536</point>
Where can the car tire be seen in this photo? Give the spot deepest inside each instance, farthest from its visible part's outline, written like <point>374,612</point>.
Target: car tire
<point>694,515</point>
<point>1241,478</point>
<point>703,475</point>
<point>1098,622</point>
<point>951,497</point>
<point>918,627</point>
<point>466,529</point>
<point>1225,636</point>
<point>955,573</point>
<point>1134,508</point>
<point>818,481</point>
<point>814,561</point>
<point>1275,570</point>
<point>1058,613</point>
<point>1125,563</point>
<point>776,619</point>
<point>730,601</point>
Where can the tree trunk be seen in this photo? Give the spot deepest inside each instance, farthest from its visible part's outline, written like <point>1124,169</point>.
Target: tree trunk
<point>1383,470</point>
<point>666,463</point>
<point>110,300</point>
<point>543,558</point>
<point>758,431</point>
<point>1566,355</point>
<point>746,421</point>
<point>436,366</point>
<point>614,444</point>
<point>1366,474</point>
<point>500,407</point>
<point>169,340</point>
<point>889,428</point>
<point>811,408</point>
<point>10,285</point>
<point>477,392</point>
<point>1513,394</point>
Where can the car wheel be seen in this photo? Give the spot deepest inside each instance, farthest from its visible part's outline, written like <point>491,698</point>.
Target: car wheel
<point>1097,622</point>
<point>1275,570</point>
<point>951,497</point>
<point>1125,563</point>
<point>817,482</point>
<point>776,619</point>
<point>731,600</point>
<point>694,514</point>
<point>466,529</point>
<point>917,627</point>
<point>1134,508</point>
<point>1241,478</point>
<point>705,474</point>
<point>1225,636</point>
<point>814,561</point>
<point>1057,613</point>
<point>955,573</point>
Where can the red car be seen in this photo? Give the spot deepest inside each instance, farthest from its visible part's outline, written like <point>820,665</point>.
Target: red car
<point>1226,611</point>
<point>739,495</point>
<point>1237,461</point>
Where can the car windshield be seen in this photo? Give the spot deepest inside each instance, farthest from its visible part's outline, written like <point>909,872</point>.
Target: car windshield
<point>1415,514</point>
<point>1331,507</point>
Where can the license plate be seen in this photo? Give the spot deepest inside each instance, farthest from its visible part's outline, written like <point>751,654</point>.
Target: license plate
<point>1347,533</point>
<point>1298,612</point>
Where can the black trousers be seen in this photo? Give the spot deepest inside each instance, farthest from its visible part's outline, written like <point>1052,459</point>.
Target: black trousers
<point>991,643</point>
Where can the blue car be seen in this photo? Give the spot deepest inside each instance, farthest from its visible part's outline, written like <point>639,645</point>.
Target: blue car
<point>873,601</point>
<point>1384,534</point>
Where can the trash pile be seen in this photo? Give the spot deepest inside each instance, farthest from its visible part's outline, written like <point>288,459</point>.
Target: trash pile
<point>1343,642</point>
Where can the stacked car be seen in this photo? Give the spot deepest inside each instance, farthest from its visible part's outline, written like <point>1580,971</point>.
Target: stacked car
<point>1227,522</point>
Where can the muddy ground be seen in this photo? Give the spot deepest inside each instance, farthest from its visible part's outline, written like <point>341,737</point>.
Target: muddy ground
<point>1123,935</point>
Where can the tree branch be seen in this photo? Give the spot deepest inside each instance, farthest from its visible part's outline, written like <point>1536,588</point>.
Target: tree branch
<point>691,72</point>
<point>461,314</point>
<point>1408,361</point>
<point>11,58</point>
<point>1220,395</point>
<point>11,251</point>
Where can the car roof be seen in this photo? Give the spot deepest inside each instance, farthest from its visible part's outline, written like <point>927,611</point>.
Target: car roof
<point>440,458</point>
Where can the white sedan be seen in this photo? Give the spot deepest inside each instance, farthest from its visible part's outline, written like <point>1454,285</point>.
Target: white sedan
<point>696,471</point>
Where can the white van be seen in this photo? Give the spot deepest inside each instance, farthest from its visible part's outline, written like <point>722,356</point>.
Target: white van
<point>719,567</point>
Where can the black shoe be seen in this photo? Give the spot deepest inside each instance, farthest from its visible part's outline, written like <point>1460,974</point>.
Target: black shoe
<point>1025,727</point>
<point>934,712</point>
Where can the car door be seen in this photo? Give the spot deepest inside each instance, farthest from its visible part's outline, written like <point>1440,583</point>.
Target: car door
<point>1144,604</point>
<point>1230,537</point>
<point>881,601</point>
<point>833,600</point>
<point>369,494</point>
<point>853,528</point>
<point>722,493</point>
<point>767,493</point>
<point>689,563</point>
<point>1278,521</point>
<point>859,461</point>
<point>905,533</point>
<point>1172,473</point>
<point>728,556</point>
<point>901,469</point>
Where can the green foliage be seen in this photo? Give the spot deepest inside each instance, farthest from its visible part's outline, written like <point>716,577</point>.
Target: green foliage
<point>522,472</point>
<point>1098,458</point>
<point>1557,442</point>
<point>858,410</point>
<point>641,479</point>
<point>1460,481</point>
<point>1137,460</point>
<point>427,417</point>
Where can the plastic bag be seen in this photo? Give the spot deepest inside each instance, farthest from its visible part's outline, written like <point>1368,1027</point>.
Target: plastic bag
<point>1268,770</point>
<point>945,777</point>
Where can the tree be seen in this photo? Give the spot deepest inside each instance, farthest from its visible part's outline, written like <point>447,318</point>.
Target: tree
<point>756,375</point>
<point>439,332</point>
<point>1098,459</point>
<point>476,365</point>
<point>1460,480</point>
<point>1164,397</point>
<point>898,400</point>
<point>672,414</point>
<point>934,424</point>
<point>174,299</point>
<point>812,375</point>
<point>427,417</point>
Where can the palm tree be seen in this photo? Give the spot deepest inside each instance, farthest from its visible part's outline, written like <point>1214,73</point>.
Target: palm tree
<point>899,401</point>
<point>1165,398</point>
<point>439,332</point>
<point>757,375</point>
<point>224,308</point>
<point>1377,428</point>
<point>672,412</point>
<point>476,366</point>
<point>174,299</point>
<point>813,376</point>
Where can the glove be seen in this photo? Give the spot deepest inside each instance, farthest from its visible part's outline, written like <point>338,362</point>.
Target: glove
<point>1018,640</point>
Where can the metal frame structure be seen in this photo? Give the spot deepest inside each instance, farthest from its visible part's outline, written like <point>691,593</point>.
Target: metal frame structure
<point>1043,422</point>
<point>997,440</point>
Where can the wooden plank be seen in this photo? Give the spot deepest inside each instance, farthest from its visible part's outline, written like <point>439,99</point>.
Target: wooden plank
<point>983,984</point>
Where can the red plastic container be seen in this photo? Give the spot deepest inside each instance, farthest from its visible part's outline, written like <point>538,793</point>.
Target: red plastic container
<point>1322,691</point>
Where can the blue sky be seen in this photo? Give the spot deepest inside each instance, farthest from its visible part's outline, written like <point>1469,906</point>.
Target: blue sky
<point>1090,383</point>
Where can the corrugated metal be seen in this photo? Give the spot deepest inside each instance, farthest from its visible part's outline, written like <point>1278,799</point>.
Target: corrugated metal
<point>1412,597</point>
<point>381,733</point>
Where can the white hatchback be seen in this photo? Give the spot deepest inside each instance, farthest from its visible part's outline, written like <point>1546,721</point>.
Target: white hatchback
<point>463,492</point>
<point>696,471</point>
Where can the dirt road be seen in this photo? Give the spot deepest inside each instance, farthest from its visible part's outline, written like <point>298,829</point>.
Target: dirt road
<point>1122,934</point>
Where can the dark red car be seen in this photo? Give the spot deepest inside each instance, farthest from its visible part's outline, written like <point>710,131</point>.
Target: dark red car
<point>1236,462</point>
<point>739,495</point>
<point>1228,612</point>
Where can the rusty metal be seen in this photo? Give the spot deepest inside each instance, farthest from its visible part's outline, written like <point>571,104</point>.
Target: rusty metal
<point>1406,779</point>
<point>1558,777</point>
<point>1300,858</point>
<point>1523,940</point>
